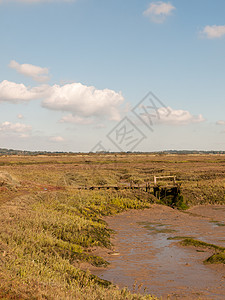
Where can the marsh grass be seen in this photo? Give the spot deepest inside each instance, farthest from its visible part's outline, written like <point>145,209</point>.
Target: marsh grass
<point>217,223</point>
<point>44,239</point>
<point>179,237</point>
<point>50,227</point>
<point>217,257</point>
<point>155,228</point>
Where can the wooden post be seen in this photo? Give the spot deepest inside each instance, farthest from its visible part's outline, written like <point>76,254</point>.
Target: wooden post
<point>131,184</point>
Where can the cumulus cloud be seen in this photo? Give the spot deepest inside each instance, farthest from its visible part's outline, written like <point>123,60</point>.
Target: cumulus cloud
<point>9,127</point>
<point>169,116</point>
<point>83,102</point>
<point>220,122</point>
<point>213,32</point>
<point>24,136</point>
<point>76,120</point>
<point>56,139</point>
<point>18,92</point>
<point>158,11</point>
<point>178,117</point>
<point>20,116</point>
<point>36,73</point>
<point>100,126</point>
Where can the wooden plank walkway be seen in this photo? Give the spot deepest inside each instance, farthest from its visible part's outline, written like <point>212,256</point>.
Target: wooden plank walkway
<point>172,188</point>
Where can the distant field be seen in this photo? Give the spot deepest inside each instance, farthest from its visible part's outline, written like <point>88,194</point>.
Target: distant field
<point>48,226</point>
<point>202,176</point>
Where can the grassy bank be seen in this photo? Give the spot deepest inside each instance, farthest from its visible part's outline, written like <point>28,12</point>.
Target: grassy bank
<point>217,258</point>
<point>45,237</point>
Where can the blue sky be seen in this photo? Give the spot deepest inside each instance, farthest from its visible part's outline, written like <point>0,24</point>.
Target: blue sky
<point>70,71</point>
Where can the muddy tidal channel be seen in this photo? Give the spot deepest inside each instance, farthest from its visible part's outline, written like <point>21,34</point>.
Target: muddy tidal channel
<point>148,258</point>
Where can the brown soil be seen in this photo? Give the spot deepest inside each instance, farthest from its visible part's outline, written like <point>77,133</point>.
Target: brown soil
<point>145,260</point>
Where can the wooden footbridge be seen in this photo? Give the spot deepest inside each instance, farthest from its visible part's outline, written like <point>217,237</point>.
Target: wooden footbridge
<point>160,190</point>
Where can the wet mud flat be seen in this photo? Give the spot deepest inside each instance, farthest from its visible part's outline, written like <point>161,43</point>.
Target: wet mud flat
<point>147,256</point>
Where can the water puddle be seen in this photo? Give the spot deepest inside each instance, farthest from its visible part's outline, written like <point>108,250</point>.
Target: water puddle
<point>149,258</point>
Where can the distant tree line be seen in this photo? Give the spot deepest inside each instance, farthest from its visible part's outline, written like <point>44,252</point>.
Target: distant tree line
<point>4,151</point>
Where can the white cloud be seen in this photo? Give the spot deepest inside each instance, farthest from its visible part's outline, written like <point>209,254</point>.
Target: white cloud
<point>213,32</point>
<point>56,139</point>
<point>76,120</point>
<point>220,122</point>
<point>9,127</point>
<point>178,117</point>
<point>84,102</point>
<point>24,136</point>
<point>20,116</point>
<point>100,126</point>
<point>169,116</point>
<point>158,11</point>
<point>18,92</point>
<point>36,73</point>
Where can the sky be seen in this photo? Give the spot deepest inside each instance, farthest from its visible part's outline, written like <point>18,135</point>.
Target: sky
<point>131,75</point>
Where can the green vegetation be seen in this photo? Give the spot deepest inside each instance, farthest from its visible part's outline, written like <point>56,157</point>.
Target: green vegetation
<point>218,257</point>
<point>197,243</point>
<point>179,237</point>
<point>217,223</point>
<point>46,237</point>
<point>50,224</point>
<point>201,176</point>
<point>176,200</point>
<point>155,228</point>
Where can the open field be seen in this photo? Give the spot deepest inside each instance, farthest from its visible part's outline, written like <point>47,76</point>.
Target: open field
<point>49,226</point>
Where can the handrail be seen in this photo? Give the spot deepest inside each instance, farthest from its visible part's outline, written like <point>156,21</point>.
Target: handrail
<point>160,177</point>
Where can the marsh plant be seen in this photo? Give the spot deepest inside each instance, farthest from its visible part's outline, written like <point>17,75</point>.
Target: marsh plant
<point>50,221</point>
<point>46,237</point>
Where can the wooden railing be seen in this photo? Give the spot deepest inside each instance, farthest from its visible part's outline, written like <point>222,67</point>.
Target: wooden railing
<point>164,177</point>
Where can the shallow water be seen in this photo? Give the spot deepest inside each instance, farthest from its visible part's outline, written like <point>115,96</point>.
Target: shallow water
<point>148,262</point>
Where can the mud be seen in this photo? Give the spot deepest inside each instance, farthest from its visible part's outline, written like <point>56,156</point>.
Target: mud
<point>145,258</point>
